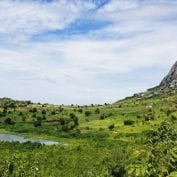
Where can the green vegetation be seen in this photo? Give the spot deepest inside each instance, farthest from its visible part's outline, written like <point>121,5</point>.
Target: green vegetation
<point>135,137</point>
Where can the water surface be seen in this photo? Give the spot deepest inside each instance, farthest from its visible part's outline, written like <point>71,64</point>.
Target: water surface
<point>21,139</point>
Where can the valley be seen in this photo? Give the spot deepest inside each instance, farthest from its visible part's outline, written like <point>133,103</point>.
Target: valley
<point>134,137</point>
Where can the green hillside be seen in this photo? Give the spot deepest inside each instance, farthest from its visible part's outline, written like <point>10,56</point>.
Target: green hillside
<point>133,137</point>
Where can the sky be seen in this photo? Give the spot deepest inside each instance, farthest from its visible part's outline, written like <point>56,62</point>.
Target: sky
<point>84,51</point>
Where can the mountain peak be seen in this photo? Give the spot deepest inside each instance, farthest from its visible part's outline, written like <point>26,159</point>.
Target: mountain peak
<point>171,76</point>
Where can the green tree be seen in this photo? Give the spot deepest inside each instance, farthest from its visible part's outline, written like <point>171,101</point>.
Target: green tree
<point>88,113</point>
<point>9,121</point>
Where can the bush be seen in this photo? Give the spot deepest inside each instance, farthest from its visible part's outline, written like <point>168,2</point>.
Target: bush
<point>9,121</point>
<point>43,111</point>
<point>33,110</point>
<point>2,114</point>
<point>39,118</point>
<point>65,128</point>
<point>88,113</point>
<point>97,111</point>
<point>162,141</point>
<point>173,117</point>
<point>37,124</point>
<point>129,122</point>
<point>80,110</point>
<point>43,117</point>
<point>149,117</point>
<point>111,127</point>
<point>102,116</point>
<point>53,113</point>
<point>72,116</point>
<point>138,116</point>
<point>20,114</point>
<point>62,121</point>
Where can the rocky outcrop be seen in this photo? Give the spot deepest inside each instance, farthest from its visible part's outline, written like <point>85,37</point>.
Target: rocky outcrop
<point>171,78</point>
<point>167,86</point>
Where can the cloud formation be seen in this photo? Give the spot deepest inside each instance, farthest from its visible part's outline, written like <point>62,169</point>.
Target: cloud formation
<point>23,18</point>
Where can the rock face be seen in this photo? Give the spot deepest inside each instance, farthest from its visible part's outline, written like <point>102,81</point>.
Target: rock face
<point>171,78</point>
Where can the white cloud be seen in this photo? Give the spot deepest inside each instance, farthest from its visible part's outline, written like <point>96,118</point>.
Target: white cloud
<point>135,10</point>
<point>19,19</point>
<point>118,5</point>
<point>70,69</point>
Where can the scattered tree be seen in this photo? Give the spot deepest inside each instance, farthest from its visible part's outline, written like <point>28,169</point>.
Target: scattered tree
<point>88,113</point>
<point>129,122</point>
<point>111,127</point>
<point>9,121</point>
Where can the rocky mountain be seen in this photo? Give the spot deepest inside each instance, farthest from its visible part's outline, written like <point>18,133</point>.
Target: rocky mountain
<point>171,78</point>
<point>167,86</point>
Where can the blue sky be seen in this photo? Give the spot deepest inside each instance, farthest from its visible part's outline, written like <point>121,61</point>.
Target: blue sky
<point>84,51</point>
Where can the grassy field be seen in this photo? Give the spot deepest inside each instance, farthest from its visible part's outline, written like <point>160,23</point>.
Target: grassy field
<point>135,137</point>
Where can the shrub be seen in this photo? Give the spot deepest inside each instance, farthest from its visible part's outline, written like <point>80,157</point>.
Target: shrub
<point>33,110</point>
<point>39,118</point>
<point>72,116</point>
<point>62,121</point>
<point>37,124</point>
<point>138,116</point>
<point>173,117</point>
<point>65,128</point>
<point>2,114</point>
<point>129,122</point>
<point>168,112</point>
<point>111,127</point>
<point>9,121</point>
<point>20,114</point>
<point>61,109</point>
<point>23,118</point>
<point>162,141</point>
<point>97,111</point>
<point>80,110</point>
<point>102,116</point>
<point>43,111</point>
<point>148,117</point>
<point>88,113</point>
<point>43,117</point>
<point>53,113</point>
